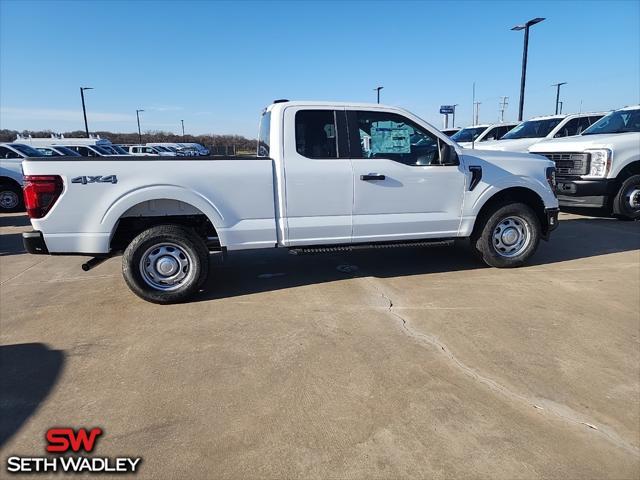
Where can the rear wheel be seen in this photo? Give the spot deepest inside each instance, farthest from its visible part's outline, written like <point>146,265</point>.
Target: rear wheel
<point>11,199</point>
<point>507,236</point>
<point>626,204</point>
<point>165,264</point>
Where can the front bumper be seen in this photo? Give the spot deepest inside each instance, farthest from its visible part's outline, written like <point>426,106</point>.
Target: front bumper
<point>585,193</point>
<point>34,243</point>
<point>551,215</point>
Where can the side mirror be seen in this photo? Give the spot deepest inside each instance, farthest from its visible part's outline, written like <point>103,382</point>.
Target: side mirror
<point>448,155</point>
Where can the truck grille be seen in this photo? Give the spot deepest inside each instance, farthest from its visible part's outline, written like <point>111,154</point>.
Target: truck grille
<point>569,164</point>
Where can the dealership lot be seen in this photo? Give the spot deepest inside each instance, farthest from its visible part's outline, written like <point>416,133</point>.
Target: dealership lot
<point>376,364</point>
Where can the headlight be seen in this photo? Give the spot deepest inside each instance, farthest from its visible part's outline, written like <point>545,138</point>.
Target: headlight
<point>600,161</point>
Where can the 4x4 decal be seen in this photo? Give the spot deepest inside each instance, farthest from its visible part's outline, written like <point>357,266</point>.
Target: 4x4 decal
<point>97,179</point>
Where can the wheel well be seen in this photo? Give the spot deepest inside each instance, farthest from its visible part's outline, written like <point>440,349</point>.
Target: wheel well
<point>162,212</point>
<point>9,181</point>
<point>515,194</point>
<point>632,169</point>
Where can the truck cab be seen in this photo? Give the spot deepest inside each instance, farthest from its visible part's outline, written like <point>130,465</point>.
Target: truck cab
<point>601,167</point>
<point>528,133</point>
<point>470,137</point>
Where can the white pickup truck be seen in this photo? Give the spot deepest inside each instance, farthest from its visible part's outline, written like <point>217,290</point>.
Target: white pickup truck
<point>601,167</point>
<point>332,175</point>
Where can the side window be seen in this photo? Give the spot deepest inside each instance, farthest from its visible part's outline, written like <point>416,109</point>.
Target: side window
<point>585,122</point>
<point>569,128</point>
<point>48,152</point>
<point>502,131</point>
<point>316,134</point>
<point>392,136</point>
<point>492,134</point>
<point>6,153</point>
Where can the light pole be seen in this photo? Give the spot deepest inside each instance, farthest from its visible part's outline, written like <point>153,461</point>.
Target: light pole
<point>84,109</point>
<point>139,133</point>
<point>477,105</point>
<point>524,27</point>
<point>377,89</point>
<point>182,121</point>
<point>558,85</point>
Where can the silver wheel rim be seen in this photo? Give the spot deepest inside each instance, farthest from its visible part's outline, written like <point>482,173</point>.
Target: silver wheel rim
<point>166,266</point>
<point>511,236</point>
<point>9,199</point>
<point>632,196</point>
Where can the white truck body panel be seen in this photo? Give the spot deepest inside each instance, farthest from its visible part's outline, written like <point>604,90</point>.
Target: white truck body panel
<point>286,200</point>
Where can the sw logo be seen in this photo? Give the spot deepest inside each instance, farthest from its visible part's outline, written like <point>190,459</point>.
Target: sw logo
<point>69,441</point>
<point>63,439</point>
<point>84,180</point>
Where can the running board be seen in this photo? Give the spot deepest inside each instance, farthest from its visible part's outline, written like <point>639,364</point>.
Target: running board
<point>366,246</point>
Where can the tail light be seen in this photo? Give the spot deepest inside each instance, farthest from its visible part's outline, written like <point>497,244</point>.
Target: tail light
<point>41,193</point>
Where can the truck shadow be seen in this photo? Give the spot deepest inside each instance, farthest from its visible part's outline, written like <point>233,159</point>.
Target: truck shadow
<point>260,271</point>
<point>29,373</point>
<point>11,244</point>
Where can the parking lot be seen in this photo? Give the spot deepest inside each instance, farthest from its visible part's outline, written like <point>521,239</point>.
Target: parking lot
<point>397,363</point>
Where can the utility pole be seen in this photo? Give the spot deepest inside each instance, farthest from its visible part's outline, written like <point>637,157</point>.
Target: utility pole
<point>523,77</point>
<point>558,85</point>
<point>139,132</point>
<point>377,89</point>
<point>84,109</point>
<point>182,121</point>
<point>477,109</point>
<point>504,103</point>
<point>561,107</point>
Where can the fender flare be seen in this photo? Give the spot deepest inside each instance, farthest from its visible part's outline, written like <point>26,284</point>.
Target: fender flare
<point>163,192</point>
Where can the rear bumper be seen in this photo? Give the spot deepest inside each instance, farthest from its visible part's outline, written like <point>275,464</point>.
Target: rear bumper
<point>585,193</point>
<point>34,243</point>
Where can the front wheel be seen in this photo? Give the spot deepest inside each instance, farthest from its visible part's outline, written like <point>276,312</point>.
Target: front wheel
<point>508,236</point>
<point>11,199</point>
<point>626,204</point>
<point>165,264</point>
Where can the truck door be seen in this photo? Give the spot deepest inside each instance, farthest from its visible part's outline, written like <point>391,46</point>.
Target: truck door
<point>318,176</point>
<point>403,189</point>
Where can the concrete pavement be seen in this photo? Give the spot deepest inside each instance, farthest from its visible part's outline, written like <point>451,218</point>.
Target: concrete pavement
<point>406,363</point>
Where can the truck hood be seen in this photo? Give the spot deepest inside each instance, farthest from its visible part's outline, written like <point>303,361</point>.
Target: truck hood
<point>509,145</point>
<point>516,163</point>
<point>580,143</point>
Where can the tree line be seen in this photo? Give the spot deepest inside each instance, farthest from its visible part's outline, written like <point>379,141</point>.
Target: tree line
<point>238,142</point>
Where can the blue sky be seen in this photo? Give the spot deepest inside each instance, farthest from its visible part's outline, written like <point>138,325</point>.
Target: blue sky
<point>217,64</point>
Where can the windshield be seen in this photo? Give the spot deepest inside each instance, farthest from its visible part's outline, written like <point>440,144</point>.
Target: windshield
<point>101,150</point>
<point>622,121</point>
<point>119,150</point>
<point>533,129</point>
<point>109,149</point>
<point>468,134</point>
<point>66,151</point>
<point>27,150</point>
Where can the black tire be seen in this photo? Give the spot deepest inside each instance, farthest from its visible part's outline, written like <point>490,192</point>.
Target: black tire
<point>626,201</point>
<point>502,220</point>
<point>11,198</point>
<point>178,248</point>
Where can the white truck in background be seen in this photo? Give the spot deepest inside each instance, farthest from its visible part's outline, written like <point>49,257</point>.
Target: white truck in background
<point>11,156</point>
<point>470,137</point>
<point>528,133</point>
<point>601,167</point>
<point>336,175</point>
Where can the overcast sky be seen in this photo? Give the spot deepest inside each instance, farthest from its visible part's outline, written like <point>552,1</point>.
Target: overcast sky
<point>216,64</point>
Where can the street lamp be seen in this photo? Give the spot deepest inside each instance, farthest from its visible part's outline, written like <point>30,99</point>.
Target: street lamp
<point>139,133</point>
<point>524,27</point>
<point>182,121</point>
<point>377,89</point>
<point>84,109</point>
<point>558,85</point>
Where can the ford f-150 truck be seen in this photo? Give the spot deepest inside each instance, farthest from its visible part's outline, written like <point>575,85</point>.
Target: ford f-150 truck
<point>343,176</point>
<point>601,167</point>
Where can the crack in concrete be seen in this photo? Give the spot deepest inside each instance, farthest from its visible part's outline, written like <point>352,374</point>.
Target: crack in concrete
<point>545,406</point>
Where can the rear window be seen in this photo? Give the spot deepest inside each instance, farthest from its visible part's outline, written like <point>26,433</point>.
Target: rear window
<point>316,134</point>
<point>263,137</point>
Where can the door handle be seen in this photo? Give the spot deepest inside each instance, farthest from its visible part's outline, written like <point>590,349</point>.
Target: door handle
<point>372,176</point>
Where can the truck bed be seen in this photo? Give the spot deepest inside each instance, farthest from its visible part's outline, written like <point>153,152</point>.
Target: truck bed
<point>235,193</point>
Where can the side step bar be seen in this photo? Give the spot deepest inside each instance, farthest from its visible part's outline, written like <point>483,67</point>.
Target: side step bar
<point>366,246</point>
